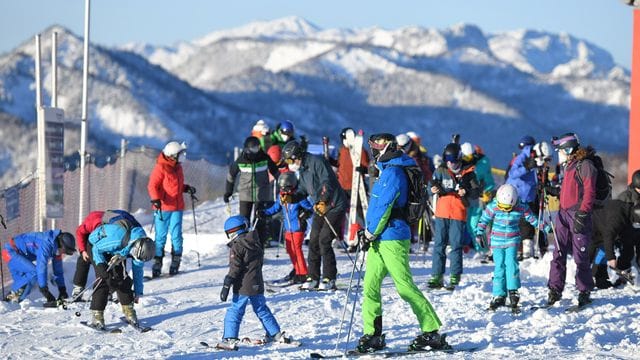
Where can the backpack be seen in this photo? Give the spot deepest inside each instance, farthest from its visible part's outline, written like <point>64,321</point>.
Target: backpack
<point>603,178</point>
<point>417,196</point>
<point>123,219</point>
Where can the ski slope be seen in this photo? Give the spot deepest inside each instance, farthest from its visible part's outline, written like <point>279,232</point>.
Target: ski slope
<point>186,309</point>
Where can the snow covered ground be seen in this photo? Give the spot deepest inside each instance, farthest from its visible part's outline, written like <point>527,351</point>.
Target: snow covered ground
<point>186,309</point>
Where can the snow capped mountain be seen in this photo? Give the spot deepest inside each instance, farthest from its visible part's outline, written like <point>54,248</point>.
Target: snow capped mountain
<point>432,81</point>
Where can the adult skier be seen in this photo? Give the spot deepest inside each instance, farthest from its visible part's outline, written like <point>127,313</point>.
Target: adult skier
<point>83,264</point>
<point>573,223</point>
<point>482,168</point>
<point>20,253</point>
<point>166,186</point>
<point>387,238</point>
<point>111,244</point>
<point>318,181</point>
<point>632,195</point>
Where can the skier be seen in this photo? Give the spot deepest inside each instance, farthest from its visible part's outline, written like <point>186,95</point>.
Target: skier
<point>252,167</point>
<point>319,182</point>
<point>245,276</point>
<point>522,175</point>
<point>387,238</point>
<point>110,245</point>
<point>20,253</point>
<point>166,186</point>
<point>296,209</point>
<point>504,212</point>
<point>617,222</point>
<point>90,223</point>
<point>573,222</point>
<point>632,195</point>
<point>455,185</point>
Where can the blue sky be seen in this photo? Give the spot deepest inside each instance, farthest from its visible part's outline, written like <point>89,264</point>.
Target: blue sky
<point>607,23</point>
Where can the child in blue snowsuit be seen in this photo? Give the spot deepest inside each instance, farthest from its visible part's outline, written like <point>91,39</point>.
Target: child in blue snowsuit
<point>245,276</point>
<point>20,253</point>
<point>505,210</point>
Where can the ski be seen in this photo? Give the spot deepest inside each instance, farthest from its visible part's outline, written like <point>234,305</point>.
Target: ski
<point>577,308</point>
<point>161,276</point>
<point>220,346</point>
<point>391,353</point>
<point>262,342</point>
<point>140,328</point>
<point>108,330</point>
<point>514,310</point>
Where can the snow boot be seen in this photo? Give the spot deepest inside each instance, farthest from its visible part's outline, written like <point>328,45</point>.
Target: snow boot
<point>229,344</point>
<point>584,298</point>
<point>497,302</point>
<point>156,270</point>
<point>431,340</point>
<point>175,264</point>
<point>75,293</point>
<point>553,296</point>
<point>280,337</point>
<point>454,280</point>
<point>327,284</point>
<point>310,284</point>
<point>435,282</point>
<point>514,297</point>
<point>130,313</point>
<point>371,343</point>
<point>14,296</point>
<point>98,319</point>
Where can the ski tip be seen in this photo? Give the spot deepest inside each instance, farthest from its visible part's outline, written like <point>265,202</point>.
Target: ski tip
<point>316,356</point>
<point>203,343</point>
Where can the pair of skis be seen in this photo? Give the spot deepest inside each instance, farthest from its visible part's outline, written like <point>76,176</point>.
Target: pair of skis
<point>355,143</point>
<point>393,353</point>
<point>247,341</point>
<point>118,330</point>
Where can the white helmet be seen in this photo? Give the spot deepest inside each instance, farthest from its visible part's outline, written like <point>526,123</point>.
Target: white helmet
<point>543,152</point>
<point>261,127</point>
<point>467,151</point>
<point>404,141</point>
<point>437,160</point>
<point>507,197</point>
<point>173,148</point>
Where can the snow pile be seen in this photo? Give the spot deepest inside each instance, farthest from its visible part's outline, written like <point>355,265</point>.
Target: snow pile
<point>186,310</point>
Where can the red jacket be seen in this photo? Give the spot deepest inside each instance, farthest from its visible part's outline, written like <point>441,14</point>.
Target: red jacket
<point>572,195</point>
<point>90,223</point>
<point>166,184</point>
<point>345,166</point>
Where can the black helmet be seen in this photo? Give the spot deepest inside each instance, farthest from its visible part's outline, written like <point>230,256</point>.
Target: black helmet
<point>568,142</point>
<point>252,145</point>
<point>288,181</point>
<point>526,140</point>
<point>343,133</point>
<point>66,242</point>
<point>292,151</point>
<point>380,143</point>
<point>144,249</point>
<point>451,153</point>
<point>635,179</point>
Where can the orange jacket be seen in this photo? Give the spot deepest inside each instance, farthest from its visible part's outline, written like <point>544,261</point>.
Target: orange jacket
<point>166,184</point>
<point>450,205</point>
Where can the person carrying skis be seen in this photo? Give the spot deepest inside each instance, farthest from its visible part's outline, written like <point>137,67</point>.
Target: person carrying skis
<point>20,252</point>
<point>245,276</point>
<point>472,155</point>
<point>252,168</point>
<point>318,181</point>
<point>573,223</point>
<point>166,186</point>
<point>455,186</point>
<point>111,244</point>
<point>387,239</point>
<point>296,209</point>
<point>504,212</point>
<point>616,222</point>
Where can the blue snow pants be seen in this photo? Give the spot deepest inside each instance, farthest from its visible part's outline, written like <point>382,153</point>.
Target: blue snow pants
<point>234,315</point>
<point>506,273</point>
<point>171,223</point>
<point>447,232</point>
<point>23,271</point>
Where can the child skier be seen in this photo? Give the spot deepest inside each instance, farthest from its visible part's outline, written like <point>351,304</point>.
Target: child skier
<point>505,211</point>
<point>245,275</point>
<point>296,209</point>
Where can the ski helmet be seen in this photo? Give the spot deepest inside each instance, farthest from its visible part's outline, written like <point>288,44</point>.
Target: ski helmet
<point>66,242</point>
<point>568,143</point>
<point>288,182</point>
<point>252,145</point>
<point>235,225</point>
<point>381,143</point>
<point>404,142</point>
<point>286,128</point>
<point>413,136</point>
<point>526,140</point>
<point>506,197</point>
<point>467,151</point>
<point>260,128</point>
<point>173,149</point>
<point>143,249</point>
<point>343,133</point>
<point>542,153</point>
<point>635,179</point>
<point>292,151</point>
<point>451,153</point>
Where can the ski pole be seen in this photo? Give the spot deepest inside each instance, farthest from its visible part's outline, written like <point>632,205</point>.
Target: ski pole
<point>553,229</point>
<point>353,307</point>
<point>286,215</point>
<point>1,263</point>
<point>344,246</point>
<point>79,295</point>
<point>346,302</point>
<point>195,225</point>
<point>280,233</point>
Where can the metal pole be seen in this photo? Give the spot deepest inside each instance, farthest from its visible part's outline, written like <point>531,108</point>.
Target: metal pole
<point>634,113</point>
<point>83,125</point>
<point>54,83</point>
<point>123,175</point>
<point>41,205</point>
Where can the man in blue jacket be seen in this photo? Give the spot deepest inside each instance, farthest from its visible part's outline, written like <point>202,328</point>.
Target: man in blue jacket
<point>110,245</point>
<point>20,253</point>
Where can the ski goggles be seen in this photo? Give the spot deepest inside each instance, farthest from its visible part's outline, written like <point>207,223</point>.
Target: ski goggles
<point>253,149</point>
<point>451,158</point>
<point>289,161</point>
<point>504,207</point>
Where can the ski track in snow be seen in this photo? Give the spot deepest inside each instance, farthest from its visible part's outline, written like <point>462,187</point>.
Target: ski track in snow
<point>186,309</point>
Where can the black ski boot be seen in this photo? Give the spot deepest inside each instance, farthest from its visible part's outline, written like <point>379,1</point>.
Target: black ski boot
<point>553,296</point>
<point>371,343</point>
<point>175,264</point>
<point>497,302</point>
<point>514,297</point>
<point>584,298</point>
<point>157,267</point>
<point>430,341</point>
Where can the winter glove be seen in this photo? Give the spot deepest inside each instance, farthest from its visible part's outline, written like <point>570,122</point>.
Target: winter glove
<point>304,215</point>
<point>481,243</point>
<point>552,190</point>
<point>286,198</point>
<point>62,293</point>
<point>579,222</point>
<point>47,294</point>
<point>226,197</point>
<point>547,229</point>
<point>365,238</point>
<point>320,208</point>
<point>224,293</point>
<point>189,189</point>
<point>101,271</point>
<point>529,163</point>
<point>362,170</point>
<point>486,197</point>
<point>156,204</point>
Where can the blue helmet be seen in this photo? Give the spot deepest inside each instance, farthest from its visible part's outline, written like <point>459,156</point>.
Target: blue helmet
<point>236,225</point>
<point>286,128</point>
<point>526,140</point>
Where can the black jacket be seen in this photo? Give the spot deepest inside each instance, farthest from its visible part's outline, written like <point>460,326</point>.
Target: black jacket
<point>610,222</point>
<point>245,264</point>
<point>630,196</point>
<point>318,181</point>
